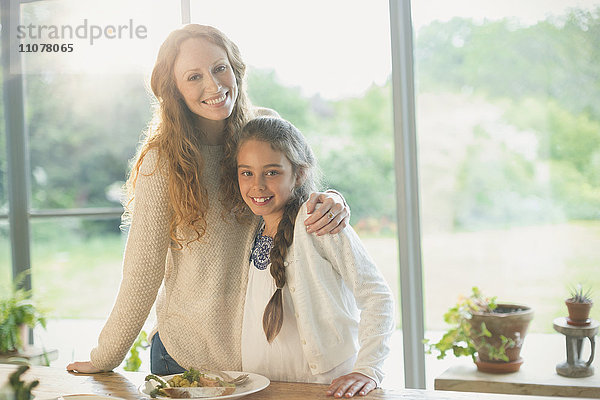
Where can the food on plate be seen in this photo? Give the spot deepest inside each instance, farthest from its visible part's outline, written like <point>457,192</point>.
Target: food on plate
<point>190,384</point>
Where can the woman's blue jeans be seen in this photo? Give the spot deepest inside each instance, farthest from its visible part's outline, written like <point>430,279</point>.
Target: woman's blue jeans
<point>161,363</point>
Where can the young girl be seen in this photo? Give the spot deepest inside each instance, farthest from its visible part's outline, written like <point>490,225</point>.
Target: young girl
<point>317,308</point>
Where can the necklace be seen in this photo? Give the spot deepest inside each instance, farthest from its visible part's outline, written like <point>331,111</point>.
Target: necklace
<point>261,250</point>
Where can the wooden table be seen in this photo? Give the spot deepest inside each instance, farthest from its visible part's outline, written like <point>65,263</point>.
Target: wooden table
<point>57,381</point>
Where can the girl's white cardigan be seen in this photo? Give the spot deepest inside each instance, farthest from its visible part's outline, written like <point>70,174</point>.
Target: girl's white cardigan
<point>342,302</point>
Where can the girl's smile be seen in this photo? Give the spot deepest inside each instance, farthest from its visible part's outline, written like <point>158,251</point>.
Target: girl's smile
<point>260,201</point>
<point>266,180</point>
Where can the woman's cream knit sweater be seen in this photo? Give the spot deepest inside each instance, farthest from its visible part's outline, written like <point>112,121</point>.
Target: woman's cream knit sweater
<point>201,289</point>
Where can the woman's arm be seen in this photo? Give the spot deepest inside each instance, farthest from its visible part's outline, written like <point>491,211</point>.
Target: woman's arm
<point>143,269</point>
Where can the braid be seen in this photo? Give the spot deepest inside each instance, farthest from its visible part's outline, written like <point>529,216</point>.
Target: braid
<point>273,315</point>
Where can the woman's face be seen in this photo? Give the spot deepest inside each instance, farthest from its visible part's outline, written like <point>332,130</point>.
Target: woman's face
<point>205,79</point>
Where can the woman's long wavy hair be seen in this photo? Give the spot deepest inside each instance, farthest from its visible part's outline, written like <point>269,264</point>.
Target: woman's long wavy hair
<point>286,138</point>
<point>174,134</point>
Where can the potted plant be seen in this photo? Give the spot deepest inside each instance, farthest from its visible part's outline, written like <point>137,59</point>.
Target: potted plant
<point>579,306</point>
<point>17,313</point>
<point>491,333</point>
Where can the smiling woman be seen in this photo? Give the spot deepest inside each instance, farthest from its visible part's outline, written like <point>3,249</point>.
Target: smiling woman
<point>206,82</point>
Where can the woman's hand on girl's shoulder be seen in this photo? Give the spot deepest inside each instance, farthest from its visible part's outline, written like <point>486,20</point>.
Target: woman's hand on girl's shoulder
<point>83,367</point>
<point>331,217</point>
<point>351,384</point>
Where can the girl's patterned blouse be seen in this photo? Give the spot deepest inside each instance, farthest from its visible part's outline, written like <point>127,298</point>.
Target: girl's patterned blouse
<point>261,250</point>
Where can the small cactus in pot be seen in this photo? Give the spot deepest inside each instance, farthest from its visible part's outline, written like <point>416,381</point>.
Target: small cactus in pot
<point>579,305</point>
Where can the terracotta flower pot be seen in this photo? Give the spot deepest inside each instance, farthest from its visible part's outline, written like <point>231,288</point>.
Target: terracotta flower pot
<point>578,312</point>
<point>510,321</point>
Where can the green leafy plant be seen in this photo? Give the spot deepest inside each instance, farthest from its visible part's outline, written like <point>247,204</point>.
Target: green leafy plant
<point>462,336</point>
<point>580,295</point>
<point>17,309</point>
<point>16,388</point>
<point>133,362</point>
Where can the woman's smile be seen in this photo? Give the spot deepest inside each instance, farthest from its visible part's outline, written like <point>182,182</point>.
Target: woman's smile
<point>216,101</point>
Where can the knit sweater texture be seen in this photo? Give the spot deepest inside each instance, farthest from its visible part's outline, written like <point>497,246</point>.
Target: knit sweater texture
<point>199,290</point>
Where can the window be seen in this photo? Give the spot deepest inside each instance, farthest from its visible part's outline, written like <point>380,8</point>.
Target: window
<point>330,79</point>
<point>509,152</point>
<point>86,259</point>
<point>87,110</point>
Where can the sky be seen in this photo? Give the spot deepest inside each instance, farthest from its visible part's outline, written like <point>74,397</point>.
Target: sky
<point>340,47</point>
<point>336,48</point>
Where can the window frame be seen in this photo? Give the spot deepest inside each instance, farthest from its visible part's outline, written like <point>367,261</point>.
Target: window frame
<point>407,193</point>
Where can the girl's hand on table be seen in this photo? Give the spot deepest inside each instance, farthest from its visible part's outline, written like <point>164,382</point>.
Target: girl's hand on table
<point>351,384</point>
<point>332,216</point>
<point>83,367</point>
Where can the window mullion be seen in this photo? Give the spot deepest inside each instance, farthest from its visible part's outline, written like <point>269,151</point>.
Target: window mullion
<point>407,194</point>
<point>16,143</point>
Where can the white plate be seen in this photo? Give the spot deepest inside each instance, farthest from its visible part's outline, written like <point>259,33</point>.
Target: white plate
<point>87,397</point>
<point>255,383</point>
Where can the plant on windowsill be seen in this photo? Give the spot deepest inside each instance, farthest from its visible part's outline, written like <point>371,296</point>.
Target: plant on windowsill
<point>579,306</point>
<point>491,333</point>
<point>17,313</point>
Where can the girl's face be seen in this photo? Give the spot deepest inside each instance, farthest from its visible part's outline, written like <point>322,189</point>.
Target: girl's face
<point>205,79</point>
<point>266,179</point>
